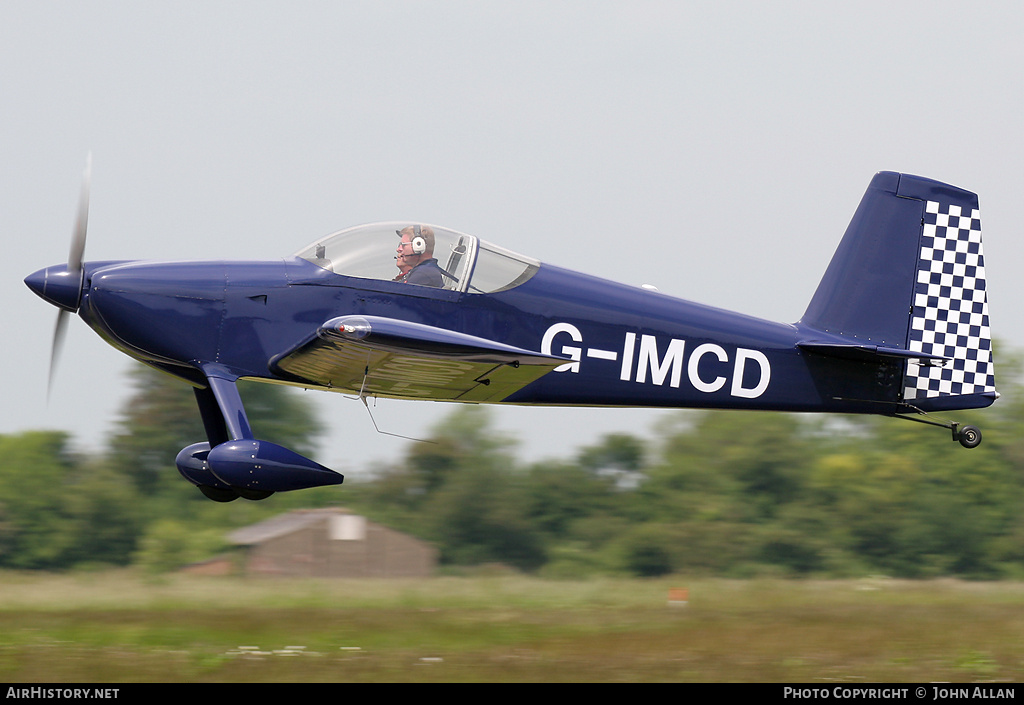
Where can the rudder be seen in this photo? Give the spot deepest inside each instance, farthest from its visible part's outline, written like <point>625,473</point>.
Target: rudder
<point>950,312</point>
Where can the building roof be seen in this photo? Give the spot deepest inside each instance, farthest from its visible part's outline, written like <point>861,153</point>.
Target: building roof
<point>281,525</point>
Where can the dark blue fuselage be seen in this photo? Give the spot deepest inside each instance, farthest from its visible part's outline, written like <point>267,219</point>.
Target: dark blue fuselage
<point>624,346</point>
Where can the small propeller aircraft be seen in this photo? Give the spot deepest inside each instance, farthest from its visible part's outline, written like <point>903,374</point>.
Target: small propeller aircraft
<point>898,326</point>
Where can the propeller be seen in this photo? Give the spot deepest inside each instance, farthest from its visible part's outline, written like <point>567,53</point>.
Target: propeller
<point>75,269</point>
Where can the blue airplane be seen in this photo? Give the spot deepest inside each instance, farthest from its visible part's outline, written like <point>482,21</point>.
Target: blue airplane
<point>898,326</point>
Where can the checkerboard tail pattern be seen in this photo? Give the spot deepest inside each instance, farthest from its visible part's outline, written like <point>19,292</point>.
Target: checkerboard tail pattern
<point>950,308</point>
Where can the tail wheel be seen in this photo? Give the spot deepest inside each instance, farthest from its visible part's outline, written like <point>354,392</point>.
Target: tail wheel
<point>969,436</point>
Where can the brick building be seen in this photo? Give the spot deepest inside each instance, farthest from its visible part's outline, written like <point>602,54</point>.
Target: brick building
<point>331,543</point>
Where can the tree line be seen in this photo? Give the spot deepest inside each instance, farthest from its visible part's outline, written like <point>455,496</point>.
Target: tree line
<point>726,493</point>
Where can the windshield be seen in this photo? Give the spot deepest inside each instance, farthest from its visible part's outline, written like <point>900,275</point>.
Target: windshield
<point>420,254</point>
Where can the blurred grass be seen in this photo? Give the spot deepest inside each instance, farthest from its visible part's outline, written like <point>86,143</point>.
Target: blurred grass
<point>117,627</point>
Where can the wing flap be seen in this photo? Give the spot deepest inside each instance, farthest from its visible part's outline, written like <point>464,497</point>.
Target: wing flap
<point>378,356</point>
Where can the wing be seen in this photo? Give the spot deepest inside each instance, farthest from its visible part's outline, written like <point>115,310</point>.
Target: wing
<point>377,356</point>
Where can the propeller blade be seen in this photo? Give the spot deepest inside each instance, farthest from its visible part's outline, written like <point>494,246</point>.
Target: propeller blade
<point>59,332</point>
<point>75,255</point>
<point>82,221</point>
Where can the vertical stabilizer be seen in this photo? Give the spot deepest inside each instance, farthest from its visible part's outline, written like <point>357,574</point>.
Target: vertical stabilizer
<point>909,275</point>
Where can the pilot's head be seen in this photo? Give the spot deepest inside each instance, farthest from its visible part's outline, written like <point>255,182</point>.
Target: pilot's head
<point>417,244</point>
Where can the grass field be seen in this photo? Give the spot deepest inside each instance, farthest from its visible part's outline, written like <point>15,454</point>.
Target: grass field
<point>117,628</point>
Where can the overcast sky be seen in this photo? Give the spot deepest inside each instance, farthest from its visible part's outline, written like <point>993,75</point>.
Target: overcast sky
<point>714,149</point>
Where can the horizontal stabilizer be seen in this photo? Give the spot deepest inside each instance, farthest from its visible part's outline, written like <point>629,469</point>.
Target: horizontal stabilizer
<point>861,351</point>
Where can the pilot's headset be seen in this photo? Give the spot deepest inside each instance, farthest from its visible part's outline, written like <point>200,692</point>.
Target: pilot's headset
<point>419,244</point>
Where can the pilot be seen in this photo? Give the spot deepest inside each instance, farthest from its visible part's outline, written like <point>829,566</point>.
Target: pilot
<point>415,257</point>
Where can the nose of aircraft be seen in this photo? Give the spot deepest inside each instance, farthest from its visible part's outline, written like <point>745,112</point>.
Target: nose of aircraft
<point>58,285</point>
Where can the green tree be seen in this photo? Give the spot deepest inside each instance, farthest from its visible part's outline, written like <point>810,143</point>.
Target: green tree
<point>35,471</point>
<point>619,456</point>
<point>646,550</point>
<point>59,509</point>
<point>461,489</point>
<point>464,438</point>
<point>558,495</point>
<point>725,466</point>
<point>103,510</point>
<point>479,517</point>
<point>168,544</point>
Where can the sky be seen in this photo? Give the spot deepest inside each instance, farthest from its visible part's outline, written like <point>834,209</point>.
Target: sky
<point>714,149</point>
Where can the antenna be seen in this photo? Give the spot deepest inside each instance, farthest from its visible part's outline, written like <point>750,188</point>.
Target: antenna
<point>362,398</point>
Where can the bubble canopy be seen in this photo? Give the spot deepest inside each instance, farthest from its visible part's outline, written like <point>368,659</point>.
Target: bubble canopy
<point>467,263</point>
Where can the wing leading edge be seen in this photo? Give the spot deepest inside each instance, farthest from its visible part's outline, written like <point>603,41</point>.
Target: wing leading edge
<point>377,356</point>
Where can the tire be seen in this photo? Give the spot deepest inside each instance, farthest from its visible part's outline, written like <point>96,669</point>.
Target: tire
<point>969,436</point>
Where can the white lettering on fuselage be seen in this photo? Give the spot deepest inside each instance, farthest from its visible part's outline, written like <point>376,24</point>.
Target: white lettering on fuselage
<point>708,368</point>
<point>572,351</point>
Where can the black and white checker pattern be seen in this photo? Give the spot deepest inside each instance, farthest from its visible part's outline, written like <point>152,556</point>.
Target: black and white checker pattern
<point>950,314</point>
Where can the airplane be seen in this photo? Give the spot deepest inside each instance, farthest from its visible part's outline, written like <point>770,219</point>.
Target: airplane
<point>897,327</point>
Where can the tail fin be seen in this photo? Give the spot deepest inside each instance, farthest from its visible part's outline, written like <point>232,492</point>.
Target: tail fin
<point>909,278</point>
